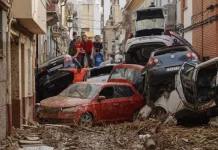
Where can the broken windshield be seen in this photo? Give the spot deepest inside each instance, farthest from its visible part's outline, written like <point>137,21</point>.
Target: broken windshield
<point>85,91</point>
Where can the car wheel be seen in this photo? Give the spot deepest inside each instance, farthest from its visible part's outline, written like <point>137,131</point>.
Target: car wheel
<point>135,115</point>
<point>86,120</point>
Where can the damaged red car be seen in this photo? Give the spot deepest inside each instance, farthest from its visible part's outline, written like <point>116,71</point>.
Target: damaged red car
<point>88,103</point>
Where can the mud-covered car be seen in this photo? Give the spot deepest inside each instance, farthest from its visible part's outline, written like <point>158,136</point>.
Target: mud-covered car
<point>50,81</point>
<point>195,97</point>
<point>128,73</point>
<point>89,103</point>
<point>99,74</point>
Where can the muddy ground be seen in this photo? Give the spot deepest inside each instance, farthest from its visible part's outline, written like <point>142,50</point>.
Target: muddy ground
<point>124,136</point>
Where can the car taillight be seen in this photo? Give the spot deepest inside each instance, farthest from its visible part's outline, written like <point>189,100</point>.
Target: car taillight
<point>191,55</point>
<point>152,61</point>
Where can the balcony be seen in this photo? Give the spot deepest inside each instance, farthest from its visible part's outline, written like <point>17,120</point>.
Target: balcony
<point>52,14</point>
<point>31,14</point>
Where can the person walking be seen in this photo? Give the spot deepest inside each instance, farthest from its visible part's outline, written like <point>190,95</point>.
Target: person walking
<point>99,56</point>
<point>89,50</point>
<point>79,48</point>
<point>71,50</point>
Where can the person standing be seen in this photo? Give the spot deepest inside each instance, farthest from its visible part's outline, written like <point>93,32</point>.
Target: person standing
<point>99,56</point>
<point>89,50</point>
<point>71,50</point>
<point>79,48</point>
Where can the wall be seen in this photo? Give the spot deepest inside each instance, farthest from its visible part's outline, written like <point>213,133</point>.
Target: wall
<point>87,16</point>
<point>205,36</point>
<point>3,98</point>
<point>187,20</point>
<point>23,79</point>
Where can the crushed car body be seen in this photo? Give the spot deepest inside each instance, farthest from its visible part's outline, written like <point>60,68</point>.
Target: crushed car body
<point>195,94</point>
<point>89,103</point>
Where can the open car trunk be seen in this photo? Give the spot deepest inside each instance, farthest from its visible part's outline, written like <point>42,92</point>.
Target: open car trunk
<point>140,53</point>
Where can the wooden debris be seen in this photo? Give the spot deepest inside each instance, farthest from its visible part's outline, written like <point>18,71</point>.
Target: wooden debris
<point>29,142</point>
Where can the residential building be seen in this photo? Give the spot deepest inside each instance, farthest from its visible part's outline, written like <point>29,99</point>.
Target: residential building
<point>110,31</point>
<point>17,60</point>
<point>199,19</point>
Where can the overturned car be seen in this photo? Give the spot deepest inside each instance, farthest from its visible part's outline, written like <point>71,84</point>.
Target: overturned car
<point>195,95</point>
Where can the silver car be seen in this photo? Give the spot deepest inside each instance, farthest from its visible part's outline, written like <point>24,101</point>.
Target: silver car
<point>195,95</point>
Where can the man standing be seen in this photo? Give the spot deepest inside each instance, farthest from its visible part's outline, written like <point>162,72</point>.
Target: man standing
<point>78,47</point>
<point>99,56</point>
<point>88,47</point>
<point>71,50</point>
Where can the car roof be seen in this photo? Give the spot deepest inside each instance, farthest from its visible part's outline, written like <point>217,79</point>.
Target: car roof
<point>134,66</point>
<point>104,83</point>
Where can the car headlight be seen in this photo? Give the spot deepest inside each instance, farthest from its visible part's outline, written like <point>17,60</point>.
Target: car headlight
<point>71,109</point>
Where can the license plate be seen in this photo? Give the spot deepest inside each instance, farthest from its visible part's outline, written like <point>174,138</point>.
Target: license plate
<point>173,68</point>
<point>55,68</point>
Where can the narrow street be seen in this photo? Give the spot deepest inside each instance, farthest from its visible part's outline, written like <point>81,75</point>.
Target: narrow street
<point>108,75</point>
<point>124,136</point>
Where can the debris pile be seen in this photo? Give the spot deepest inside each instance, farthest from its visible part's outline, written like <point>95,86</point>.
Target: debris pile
<point>150,134</point>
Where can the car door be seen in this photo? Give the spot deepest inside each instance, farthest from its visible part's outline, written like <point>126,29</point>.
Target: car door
<point>185,84</point>
<point>109,106</point>
<point>124,101</point>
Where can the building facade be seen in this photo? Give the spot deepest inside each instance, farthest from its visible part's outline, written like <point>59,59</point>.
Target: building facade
<point>17,60</point>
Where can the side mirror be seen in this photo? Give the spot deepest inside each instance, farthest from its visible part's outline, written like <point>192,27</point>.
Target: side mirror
<point>101,98</point>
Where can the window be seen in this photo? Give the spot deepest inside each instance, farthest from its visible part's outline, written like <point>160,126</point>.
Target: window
<point>108,92</point>
<point>126,73</point>
<point>85,91</point>
<point>123,91</point>
<point>44,2</point>
<point>187,70</point>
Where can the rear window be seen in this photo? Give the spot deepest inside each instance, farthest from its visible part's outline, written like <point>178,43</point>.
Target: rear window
<point>125,73</point>
<point>171,50</point>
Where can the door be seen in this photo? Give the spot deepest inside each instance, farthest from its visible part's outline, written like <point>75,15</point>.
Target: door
<point>109,106</point>
<point>185,84</point>
<point>125,102</point>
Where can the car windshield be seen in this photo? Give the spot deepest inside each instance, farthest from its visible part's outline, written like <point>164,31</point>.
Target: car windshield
<point>149,24</point>
<point>125,73</point>
<point>85,91</point>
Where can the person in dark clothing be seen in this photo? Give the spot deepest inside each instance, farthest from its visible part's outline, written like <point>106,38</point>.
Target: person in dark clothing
<point>152,4</point>
<point>99,56</point>
<point>71,49</point>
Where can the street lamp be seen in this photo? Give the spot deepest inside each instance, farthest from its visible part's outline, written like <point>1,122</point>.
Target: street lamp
<point>69,24</point>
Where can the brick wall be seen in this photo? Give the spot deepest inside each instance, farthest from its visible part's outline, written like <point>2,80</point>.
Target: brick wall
<point>205,36</point>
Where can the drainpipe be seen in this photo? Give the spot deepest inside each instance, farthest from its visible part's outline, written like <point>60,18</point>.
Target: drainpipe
<point>8,71</point>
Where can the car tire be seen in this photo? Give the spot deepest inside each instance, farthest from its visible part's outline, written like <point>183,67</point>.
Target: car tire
<point>135,115</point>
<point>86,120</point>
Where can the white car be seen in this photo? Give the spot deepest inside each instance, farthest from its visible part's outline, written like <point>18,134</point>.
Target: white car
<point>196,95</point>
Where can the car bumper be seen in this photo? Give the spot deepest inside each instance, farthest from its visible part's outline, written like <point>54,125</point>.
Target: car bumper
<point>60,118</point>
<point>161,76</point>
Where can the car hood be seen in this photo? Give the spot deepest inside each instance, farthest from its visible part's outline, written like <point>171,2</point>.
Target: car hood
<point>62,102</point>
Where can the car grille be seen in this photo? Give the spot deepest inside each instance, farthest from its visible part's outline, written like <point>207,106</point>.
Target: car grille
<point>47,110</point>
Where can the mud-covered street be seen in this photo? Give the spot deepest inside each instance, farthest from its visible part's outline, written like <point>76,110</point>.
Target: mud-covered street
<point>150,134</point>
